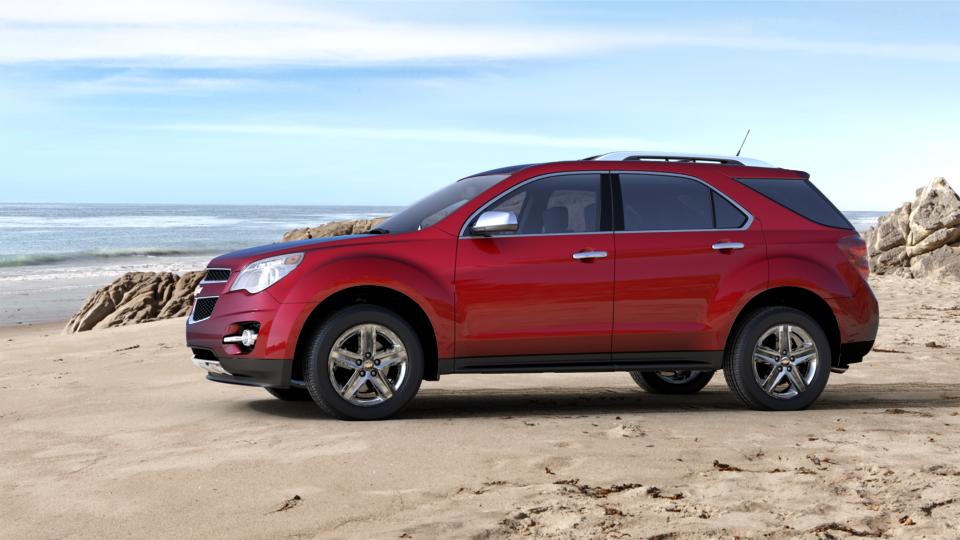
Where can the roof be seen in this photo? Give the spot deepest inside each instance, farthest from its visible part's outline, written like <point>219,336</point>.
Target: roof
<point>641,155</point>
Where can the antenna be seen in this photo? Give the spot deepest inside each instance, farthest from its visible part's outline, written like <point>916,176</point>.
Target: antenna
<point>743,143</point>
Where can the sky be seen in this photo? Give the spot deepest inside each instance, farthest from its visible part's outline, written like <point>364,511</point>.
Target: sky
<point>380,103</point>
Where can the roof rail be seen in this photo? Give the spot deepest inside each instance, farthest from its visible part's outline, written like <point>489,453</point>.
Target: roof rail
<point>674,157</point>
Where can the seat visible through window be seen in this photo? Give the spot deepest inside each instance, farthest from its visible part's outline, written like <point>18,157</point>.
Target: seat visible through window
<point>562,204</point>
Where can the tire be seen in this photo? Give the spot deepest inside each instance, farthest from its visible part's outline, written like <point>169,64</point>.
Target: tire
<point>746,373</point>
<point>364,397</point>
<point>682,382</point>
<point>290,394</point>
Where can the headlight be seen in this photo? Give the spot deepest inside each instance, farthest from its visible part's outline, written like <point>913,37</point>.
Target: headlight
<point>261,274</point>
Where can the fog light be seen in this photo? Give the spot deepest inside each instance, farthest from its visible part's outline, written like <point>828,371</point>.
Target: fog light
<point>247,338</point>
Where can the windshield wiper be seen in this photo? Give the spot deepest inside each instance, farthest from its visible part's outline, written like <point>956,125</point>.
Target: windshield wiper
<point>378,230</point>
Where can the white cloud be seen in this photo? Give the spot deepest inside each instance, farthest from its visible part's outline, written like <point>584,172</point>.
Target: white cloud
<point>231,33</point>
<point>215,33</point>
<point>132,83</point>
<point>431,135</point>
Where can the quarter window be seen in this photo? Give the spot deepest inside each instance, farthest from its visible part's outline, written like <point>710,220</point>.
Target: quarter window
<point>726,214</point>
<point>801,197</point>
<point>564,204</point>
<point>669,203</point>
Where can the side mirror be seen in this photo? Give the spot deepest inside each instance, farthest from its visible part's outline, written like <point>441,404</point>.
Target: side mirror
<point>493,222</point>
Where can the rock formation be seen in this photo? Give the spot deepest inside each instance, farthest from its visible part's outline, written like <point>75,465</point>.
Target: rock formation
<point>334,228</point>
<point>921,238</point>
<point>137,297</point>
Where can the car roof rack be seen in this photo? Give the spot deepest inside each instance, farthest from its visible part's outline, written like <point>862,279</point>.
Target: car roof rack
<point>675,157</point>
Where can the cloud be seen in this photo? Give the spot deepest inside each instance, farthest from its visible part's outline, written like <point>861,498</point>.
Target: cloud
<point>211,34</point>
<point>429,135</point>
<point>133,83</point>
<point>216,33</point>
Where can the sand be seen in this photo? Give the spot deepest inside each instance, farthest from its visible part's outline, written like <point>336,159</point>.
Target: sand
<point>114,433</point>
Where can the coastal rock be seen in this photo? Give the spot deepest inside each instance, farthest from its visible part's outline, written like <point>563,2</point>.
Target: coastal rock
<point>892,229</point>
<point>941,262</point>
<point>937,207</point>
<point>334,228</point>
<point>136,297</point>
<point>921,238</point>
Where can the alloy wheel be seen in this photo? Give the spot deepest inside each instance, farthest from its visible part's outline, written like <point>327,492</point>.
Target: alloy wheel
<point>785,361</point>
<point>367,364</point>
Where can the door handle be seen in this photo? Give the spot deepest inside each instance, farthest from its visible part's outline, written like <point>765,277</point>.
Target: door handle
<point>586,255</point>
<point>724,246</point>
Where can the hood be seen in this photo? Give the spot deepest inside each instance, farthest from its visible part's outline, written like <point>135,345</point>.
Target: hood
<point>236,259</point>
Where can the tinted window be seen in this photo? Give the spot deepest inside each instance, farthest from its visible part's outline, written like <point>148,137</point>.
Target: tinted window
<point>727,215</point>
<point>665,203</point>
<point>801,197</point>
<point>555,205</point>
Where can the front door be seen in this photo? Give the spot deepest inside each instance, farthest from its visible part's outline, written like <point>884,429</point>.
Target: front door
<point>547,288</point>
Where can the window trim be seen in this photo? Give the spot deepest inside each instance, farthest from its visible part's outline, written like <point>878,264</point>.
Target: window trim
<point>618,205</point>
<point>605,177</point>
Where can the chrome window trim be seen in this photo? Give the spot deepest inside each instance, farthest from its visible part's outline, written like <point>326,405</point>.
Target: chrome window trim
<point>466,224</point>
<point>204,280</point>
<point>746,225</point>
<point>190,319</point>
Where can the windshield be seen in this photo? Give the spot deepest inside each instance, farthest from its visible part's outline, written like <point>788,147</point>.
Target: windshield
<point>438,205</point>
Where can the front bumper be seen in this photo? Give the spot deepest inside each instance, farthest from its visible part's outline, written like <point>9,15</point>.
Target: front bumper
<point>248,371</point>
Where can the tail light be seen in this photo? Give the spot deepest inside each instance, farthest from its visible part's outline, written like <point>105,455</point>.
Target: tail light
<point>856,250</point>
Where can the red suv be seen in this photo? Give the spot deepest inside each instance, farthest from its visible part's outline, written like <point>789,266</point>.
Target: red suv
<point>666,266</point>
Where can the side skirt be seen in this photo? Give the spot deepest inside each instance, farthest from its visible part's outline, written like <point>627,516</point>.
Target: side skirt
<point>564,363</point>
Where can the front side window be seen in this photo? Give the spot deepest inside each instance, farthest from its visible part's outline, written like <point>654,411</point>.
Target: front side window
<point>565,204</point>
<point>669,203</point>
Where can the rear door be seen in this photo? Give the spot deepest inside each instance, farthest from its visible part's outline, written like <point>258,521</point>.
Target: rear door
<point>685,255</point>
<point>546,289</point>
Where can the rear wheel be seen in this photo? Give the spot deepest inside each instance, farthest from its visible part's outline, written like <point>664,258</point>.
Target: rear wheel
<point>672,381</point>
<point>290,394</point>
<point>779,359</point>
<point>363,363</point>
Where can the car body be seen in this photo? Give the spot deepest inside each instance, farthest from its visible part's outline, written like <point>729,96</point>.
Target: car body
<point>640,262</point>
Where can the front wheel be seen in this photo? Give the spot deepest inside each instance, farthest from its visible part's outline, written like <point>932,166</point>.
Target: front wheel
<point>778,360</point>
<point>672,381</point>
<point>363,363</point>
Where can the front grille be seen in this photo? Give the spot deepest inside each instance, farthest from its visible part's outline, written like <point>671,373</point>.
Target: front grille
<point>203,308</point>
<point>216,274</point>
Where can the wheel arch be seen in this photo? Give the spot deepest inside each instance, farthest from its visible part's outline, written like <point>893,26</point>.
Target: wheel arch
<point>376,295</point>
<point>800,299</point>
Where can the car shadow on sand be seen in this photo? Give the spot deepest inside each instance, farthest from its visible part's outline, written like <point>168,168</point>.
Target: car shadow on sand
<point>460,403</point>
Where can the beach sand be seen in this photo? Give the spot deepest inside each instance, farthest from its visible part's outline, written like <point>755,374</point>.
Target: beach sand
<point>114,433</point>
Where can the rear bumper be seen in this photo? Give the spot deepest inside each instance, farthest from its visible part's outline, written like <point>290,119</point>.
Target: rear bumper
<point>248,371</point>
<point>857,316</point>
<point>851,353</point>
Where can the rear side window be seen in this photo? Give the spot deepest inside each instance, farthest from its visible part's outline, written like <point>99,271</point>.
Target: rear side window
<point>801,197</point>
<point>669,203</point>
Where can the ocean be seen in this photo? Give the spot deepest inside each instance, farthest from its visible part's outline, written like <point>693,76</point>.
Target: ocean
<point>53,255</point>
